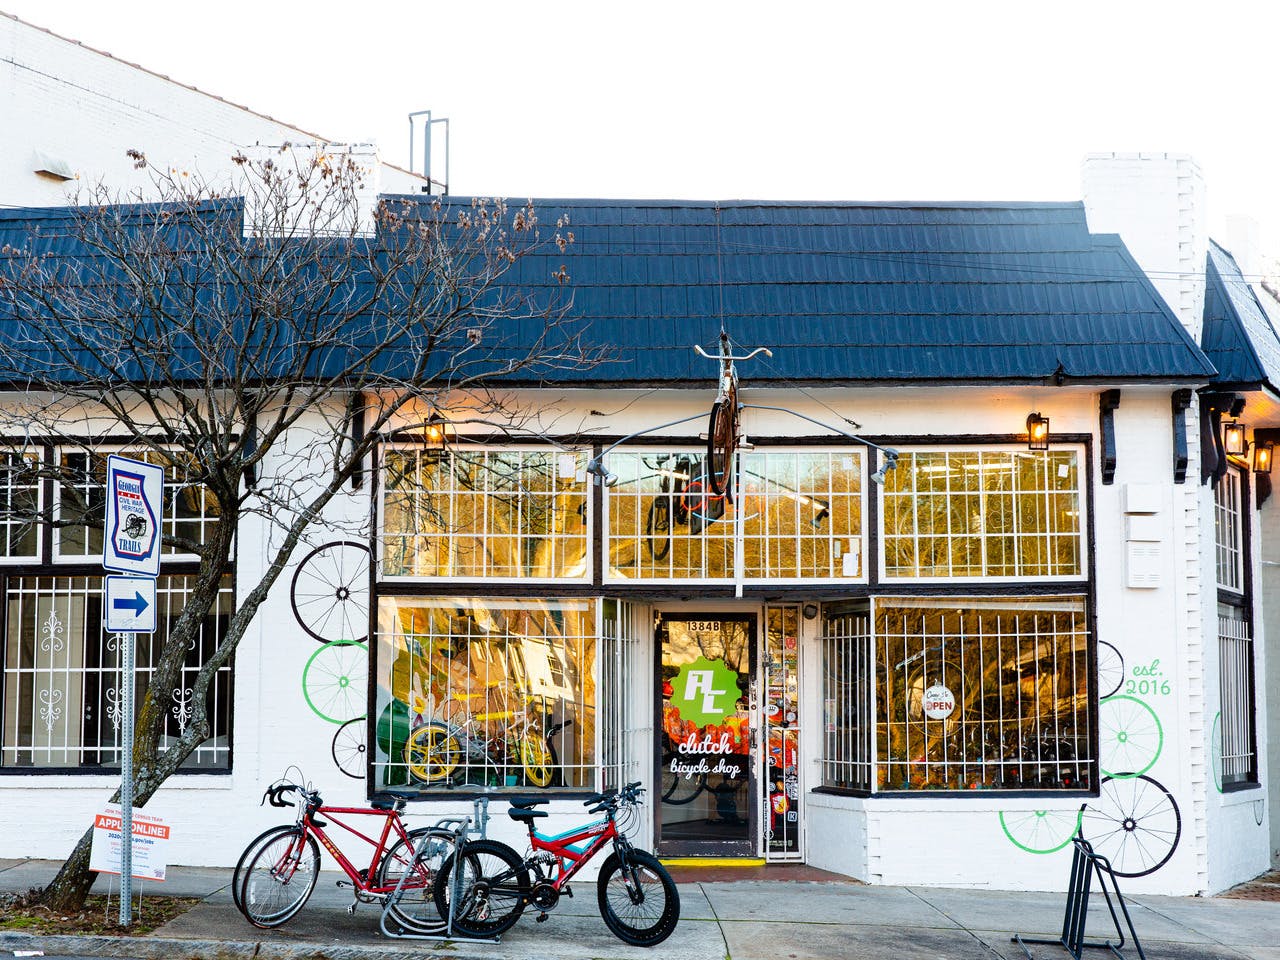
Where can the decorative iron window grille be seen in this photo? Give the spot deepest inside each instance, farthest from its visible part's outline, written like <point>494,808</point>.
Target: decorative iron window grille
<point>984,513</point>
<point>486,692</point>
<point>795,516</point>
<point>966,693</point>
<point>62,674</point>
<point>484,513</point>
<point>190,509</point>
<point>1236,745</point>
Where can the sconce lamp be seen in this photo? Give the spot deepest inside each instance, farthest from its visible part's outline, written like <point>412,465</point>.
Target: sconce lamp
<point>810,610</point>
<point>1037,432</point>
<point>1262,456</point>
<point>1234,443</point>
<point>433,430</point>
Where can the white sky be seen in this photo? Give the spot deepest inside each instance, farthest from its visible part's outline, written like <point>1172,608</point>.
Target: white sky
<point>702,99</point>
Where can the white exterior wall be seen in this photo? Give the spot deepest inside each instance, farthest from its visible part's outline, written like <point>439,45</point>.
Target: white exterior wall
<point>80,110</point>
<point>919,839</point>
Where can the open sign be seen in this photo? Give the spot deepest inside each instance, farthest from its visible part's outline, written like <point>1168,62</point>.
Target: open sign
<point>938,702</point>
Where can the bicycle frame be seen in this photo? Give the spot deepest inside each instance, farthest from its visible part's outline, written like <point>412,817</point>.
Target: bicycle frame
<point>564,847</point>
<point>362,880</point>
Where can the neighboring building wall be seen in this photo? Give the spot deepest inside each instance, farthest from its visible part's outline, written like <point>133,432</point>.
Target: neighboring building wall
<point>74,112</point>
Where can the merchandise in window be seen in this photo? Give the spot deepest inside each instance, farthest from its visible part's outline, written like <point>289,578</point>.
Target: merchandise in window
<point>62,675</point>
<point>486,693</point>
<point>984,513</point>
<point>792,516</point>
<point>476,514</point>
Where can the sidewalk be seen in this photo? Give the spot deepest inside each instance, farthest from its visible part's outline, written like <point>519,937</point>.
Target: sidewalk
<point>735,919</point>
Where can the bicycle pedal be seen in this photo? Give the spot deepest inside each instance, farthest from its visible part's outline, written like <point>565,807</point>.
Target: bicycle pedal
<point>342,883</point>
<point>541,918</point>
<point>351,910</point>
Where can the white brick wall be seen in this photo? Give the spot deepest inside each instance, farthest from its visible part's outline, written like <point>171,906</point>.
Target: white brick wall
<point>64,102</point>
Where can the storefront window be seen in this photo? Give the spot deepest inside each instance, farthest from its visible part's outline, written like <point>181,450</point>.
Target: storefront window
<point>485,692</point>
<point>19,506</point>
<point>982,694</point>
<point>477,514</point>
<point>794,516</point>
<point>984,513</point>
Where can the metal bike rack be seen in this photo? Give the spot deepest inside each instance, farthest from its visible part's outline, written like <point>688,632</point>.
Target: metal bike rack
<point>475,826</point>
<point>1084,864</point>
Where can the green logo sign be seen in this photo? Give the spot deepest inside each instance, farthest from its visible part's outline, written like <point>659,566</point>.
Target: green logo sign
<point>705,691</point>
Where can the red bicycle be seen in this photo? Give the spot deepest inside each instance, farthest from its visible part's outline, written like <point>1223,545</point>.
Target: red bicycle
<point>278,870</point>
<point>637,897</point>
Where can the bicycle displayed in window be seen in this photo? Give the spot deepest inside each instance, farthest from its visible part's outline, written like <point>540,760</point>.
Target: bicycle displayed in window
<point>278,870</point>
<point>636,896</point>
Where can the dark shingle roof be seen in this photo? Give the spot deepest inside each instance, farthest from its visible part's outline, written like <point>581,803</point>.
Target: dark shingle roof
<point>1238,336</point>
<point>843,293</point>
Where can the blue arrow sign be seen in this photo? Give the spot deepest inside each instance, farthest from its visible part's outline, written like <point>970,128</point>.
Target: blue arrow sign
<point>137,603</point>
<point>130,604</point>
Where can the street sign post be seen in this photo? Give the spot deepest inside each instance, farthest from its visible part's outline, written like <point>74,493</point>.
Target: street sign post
<point>130,544</point>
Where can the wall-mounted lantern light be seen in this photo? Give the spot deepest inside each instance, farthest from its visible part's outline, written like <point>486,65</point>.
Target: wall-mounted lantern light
<point>1262,457</point>
<point>1037,432</point>
<point>1234,443</point>
<point>433,431</point>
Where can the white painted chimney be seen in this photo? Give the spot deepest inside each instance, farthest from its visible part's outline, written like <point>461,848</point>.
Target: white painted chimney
<point>1156,203</point>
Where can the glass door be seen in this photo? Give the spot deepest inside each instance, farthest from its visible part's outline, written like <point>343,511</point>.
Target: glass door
<point>705,741</point>
<point>780,709</point>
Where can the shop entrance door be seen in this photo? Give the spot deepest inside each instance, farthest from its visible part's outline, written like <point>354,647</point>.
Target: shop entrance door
<point>706,768</point>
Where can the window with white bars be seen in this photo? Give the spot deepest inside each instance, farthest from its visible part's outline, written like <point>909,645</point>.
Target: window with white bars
<point>794,516</point>
<point>501,513</point>
<point>63,682</point>
<point>623,703</point>
<point>485,692</point>
<point>848,729</point>
<point>969,693</point>
<point>190,509</point>
<point>984,513</point>
<point>1228,529</point>
<point>21,500</point>
<point>1234,739</point>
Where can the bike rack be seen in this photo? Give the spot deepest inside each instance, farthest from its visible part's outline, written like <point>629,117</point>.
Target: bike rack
<point>1084,864</point>
<point>475,826</point>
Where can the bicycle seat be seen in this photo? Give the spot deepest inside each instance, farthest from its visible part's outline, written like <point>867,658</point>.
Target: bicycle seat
<point>387,801</point>
<point>525,814</point>
<point>525,802</point>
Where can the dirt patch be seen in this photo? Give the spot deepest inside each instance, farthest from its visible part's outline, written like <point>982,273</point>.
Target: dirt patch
<point>1265,887</point>
<point>20,912</point>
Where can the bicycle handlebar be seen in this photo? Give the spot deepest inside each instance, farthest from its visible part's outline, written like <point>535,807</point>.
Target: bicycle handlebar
<point>611,799</point>
<point>275,795</point>
<point>727,356</point>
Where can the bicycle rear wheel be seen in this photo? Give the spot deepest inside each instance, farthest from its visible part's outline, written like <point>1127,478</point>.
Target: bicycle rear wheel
<point>492,886</point>
<point>415,907</point>
<point>279,878</point>
<point>638,899</point>
<point>722,444</point>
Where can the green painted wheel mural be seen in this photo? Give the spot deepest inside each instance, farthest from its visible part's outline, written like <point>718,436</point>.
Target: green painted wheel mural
<point>1040,831</point>
<point>1215,750</point>
<point>1129,737</point>
<point>335,681</point>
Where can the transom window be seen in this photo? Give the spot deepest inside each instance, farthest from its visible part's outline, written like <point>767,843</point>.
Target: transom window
<point>984,513</point>
<point>795,515</point>
<point>473,513</point>
<point>190,509</point>
<point>20,503</point>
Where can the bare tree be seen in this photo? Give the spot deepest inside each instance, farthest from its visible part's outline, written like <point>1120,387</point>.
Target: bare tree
<point>259,338</point>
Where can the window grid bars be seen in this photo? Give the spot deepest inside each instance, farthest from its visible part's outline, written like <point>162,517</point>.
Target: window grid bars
<point>1228,532</point>
<point>22,496</point>
<point>623,735</point>
<point>63,682</point>
<point>1235,670</point>
<point>848,757</point>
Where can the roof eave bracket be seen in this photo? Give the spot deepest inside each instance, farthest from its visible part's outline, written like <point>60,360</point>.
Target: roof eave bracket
<point>1108,400</point>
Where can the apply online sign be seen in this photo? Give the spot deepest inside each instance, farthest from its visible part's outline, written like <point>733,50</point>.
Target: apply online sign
<point>150,844</point>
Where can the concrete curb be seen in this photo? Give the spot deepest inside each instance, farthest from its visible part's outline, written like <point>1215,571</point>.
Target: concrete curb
<point>171,948</point>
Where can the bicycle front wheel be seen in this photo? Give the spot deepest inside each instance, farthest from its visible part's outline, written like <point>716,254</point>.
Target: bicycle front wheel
<point>535,757</point>
<point>432,752</point>
<point>638,899</point>
<point>279,878</point>
<point>722,445</point>
<point>491,888</point>
<point>255,845</point>
<point>415,907</point>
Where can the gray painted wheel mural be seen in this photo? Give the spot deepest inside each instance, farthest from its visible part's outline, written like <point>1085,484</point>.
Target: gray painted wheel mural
<point>1133,822</point>
<point>330,592</point>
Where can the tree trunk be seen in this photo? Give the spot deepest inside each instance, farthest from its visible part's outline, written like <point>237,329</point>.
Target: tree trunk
<point>71,886</point>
